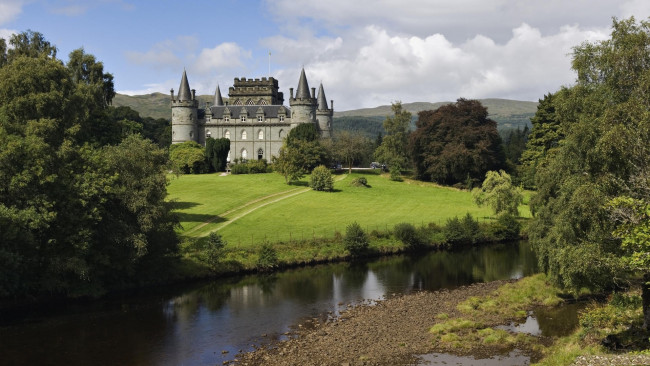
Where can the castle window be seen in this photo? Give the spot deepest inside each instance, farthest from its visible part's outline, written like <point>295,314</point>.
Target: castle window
<point>242,118</point>
<point>260,118</point>
<point>244,154</point>
<point>243,135</point>
<point>260,135</point>
<point>208,134</point>
<point>281,134</point>
<point>226,119</point>
<point>260,154</point>
<point>250,102</point>
<point>226,134</point>
<point>281,118</point>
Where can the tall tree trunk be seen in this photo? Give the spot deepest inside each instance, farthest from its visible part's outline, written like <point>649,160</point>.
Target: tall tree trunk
<point>645,296</point>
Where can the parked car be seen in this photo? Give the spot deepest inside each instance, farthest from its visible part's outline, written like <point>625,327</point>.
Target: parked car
<point>375,165</point>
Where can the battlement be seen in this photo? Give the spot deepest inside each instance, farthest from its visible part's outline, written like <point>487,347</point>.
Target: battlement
<point>185,103</point>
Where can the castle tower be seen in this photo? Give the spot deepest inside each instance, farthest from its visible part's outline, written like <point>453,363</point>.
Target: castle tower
<point>324,115</point>
<point>184,113</point>
<point>218,101</point>
<point>303,106</point>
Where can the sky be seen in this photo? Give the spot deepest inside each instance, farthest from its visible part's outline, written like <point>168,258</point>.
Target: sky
<point>366,53</point>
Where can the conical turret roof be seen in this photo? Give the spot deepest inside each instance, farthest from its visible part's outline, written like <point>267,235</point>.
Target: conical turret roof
<point>184,93</point>
<point>303,87</point>
<point>322,100</point>
<point>217,97</point>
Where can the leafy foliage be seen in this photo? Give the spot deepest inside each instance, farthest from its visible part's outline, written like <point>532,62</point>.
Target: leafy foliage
<point>350,148</point>
<point>498,192</point>
<point>187,157</point>
<point>355,240</point>
<point>408,235</point>
<point>321,179</point>
<point>268,257</point>
<point>393,148</point>
<point>603,155</point>
<point>74,219</point>
<point>300,153</point>
<point>455,141</point>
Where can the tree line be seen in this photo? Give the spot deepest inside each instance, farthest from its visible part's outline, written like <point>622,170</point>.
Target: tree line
<point>82,193</point>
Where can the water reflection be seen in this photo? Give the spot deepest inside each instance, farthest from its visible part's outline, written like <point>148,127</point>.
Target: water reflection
<point>209,324</point>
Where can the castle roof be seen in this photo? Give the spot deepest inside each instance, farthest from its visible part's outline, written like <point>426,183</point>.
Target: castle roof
<point>303,87</point>
<point>322,101</point>
<point>184,90</point>
<point>270,111</point>
<point>217,97</point>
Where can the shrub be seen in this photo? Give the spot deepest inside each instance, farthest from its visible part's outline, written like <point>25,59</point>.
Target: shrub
<point>395,173</point>
<point>506,228</point>
<point>321,179</point>
<point>239,169</point>
<point>268,257</point>
<point>408,235</point>
<point>257,166</point>
<point>359,182</point>
<point>355,241</point>
<point>214,249</point>
<point>465,231</point>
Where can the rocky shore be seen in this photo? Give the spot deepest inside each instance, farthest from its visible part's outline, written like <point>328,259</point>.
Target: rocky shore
<point>389,332</point>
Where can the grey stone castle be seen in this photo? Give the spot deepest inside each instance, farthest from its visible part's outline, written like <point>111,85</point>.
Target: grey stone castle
<point>254,118</point>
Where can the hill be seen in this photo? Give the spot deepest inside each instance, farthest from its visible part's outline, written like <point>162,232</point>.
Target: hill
<point>507,113</point>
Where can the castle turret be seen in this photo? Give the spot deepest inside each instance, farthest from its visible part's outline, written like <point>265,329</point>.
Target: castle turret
<point>218,101</point>
<point>184,113</point>
<point>324,115</point>
<point>303,106</point>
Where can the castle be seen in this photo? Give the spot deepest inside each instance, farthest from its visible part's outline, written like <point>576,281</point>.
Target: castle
<point>254,118</point>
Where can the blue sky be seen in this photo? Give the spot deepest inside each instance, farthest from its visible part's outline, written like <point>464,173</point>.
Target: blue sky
<point>365,52</point>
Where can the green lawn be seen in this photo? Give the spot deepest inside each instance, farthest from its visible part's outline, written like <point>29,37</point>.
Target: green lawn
<point>246,209</point>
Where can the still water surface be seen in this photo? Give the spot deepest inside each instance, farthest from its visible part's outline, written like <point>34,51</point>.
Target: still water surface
<point>206,324</point>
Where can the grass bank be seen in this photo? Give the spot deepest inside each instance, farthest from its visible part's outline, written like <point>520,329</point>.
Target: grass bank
<point>606,329</point>
<point>305,226</point>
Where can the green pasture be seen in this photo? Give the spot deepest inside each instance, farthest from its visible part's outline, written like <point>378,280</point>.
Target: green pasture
<point>247,209</point>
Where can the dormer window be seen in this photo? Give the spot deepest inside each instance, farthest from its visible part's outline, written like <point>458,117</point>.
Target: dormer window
<point>281,118</point>
<point>260,118</point>
<point>242,118</point>
<point>226,119</point>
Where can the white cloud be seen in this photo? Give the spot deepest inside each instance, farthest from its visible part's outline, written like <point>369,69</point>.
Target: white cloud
<point>225,55</point>
<point>380,67</point>
<point>9,10</point>
<point>7,33</point>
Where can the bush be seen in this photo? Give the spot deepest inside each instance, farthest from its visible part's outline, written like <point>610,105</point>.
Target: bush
<point>257,166</point>
<point>408,235</point>
<point>355,241</point>
<point>214,249</point>
<point>268,257</point>
<point>506,228</point>
<point>395,173</point>
<point>321,179</point>
<point>359,182</point>
<point>465,231</point>
<point>239,169</point>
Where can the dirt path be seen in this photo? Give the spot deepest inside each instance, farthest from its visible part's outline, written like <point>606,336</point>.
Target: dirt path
<point>388,333</point>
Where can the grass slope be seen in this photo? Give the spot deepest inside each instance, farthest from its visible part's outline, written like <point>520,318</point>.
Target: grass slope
<point>246,209</point>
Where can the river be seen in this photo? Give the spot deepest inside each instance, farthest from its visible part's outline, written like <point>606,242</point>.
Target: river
<point>208,323</point>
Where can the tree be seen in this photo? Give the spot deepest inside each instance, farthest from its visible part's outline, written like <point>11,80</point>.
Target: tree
<point>74,219</point>
<point>456,141</point>
<point>393,149</point>
<point>321,179</point>
<point>216,153</point>
<point>600,168</point>
<point>355,240</point>
<point>349,147</point>
<point>545,135</point>
<point>300,153</point>
<point>187,157</point>
<point>498,192</point>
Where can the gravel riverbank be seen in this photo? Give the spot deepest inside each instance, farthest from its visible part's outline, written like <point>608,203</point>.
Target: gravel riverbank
<point>389,332</point>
